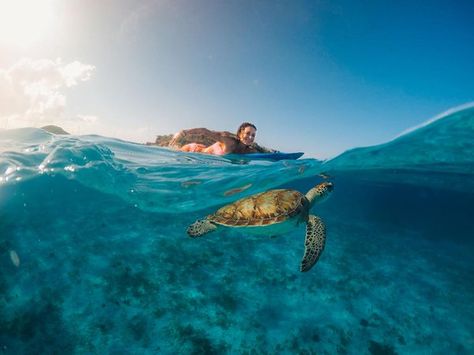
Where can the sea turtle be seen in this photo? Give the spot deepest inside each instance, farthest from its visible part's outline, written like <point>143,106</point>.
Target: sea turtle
<point>273,212</point>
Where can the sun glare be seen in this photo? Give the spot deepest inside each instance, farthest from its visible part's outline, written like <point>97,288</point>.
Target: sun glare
<point>25,22</point>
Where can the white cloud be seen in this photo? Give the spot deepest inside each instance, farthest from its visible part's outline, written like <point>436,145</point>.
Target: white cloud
<point>32,92</point>
<point>87,118</point>
<point>75,72</point>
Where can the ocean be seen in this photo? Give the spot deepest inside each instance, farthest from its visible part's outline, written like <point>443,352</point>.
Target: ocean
<point>94,255</point>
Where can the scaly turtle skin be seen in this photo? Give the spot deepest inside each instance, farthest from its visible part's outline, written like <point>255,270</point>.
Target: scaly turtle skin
<point>275,211</point>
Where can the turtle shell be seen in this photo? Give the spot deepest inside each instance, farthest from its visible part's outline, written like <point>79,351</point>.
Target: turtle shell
<point>262,209</point>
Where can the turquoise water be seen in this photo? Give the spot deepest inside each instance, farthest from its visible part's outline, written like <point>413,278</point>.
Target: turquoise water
<point>94,257</point>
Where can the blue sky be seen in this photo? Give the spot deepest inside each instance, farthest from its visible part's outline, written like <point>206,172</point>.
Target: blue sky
<point>314,76</point>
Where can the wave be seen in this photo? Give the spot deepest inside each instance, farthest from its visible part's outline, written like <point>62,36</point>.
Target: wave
<point>151,178</point>
<point>443,144</point>
<point>163,180</point>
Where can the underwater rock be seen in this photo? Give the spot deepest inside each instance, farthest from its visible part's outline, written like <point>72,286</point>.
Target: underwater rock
<point>376,348</point>
<point>14,258</point>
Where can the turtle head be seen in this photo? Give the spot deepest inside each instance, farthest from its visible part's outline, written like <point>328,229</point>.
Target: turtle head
<point>200,227</point>
<point>320,192</point>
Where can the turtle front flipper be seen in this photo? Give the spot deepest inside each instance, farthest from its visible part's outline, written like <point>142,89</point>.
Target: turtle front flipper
<point>200,227</point>
<point>314,242</point>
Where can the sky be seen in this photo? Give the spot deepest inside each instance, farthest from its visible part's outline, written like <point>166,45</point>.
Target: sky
<point>314,76</point>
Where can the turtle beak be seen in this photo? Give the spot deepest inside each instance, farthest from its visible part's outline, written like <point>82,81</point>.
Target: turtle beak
<point>330,186</point>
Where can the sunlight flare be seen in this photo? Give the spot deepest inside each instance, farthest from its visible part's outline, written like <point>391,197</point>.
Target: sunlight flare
<point>25,22</point>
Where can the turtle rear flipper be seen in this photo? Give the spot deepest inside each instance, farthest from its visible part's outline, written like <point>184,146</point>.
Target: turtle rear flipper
<point>200,228</point>
<point>314,242</point>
